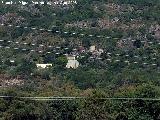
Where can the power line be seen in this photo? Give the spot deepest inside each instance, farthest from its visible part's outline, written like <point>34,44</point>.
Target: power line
<point>41,45</point>
<point>50,3</point>
<point>81,98</point>
<point>60,32</point>
<point>135,59</point>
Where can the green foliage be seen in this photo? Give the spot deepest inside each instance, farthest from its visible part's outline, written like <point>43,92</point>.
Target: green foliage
<point>93,79</point>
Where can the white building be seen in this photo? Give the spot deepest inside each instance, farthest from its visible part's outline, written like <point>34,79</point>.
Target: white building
<point>72,62</point>
<point>43,65</point>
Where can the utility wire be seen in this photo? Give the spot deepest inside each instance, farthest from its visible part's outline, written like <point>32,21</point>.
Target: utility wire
<point>81,98</point>
<point>60,32</point>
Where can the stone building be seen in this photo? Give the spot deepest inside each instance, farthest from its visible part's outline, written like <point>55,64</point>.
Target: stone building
<point>72,62</point>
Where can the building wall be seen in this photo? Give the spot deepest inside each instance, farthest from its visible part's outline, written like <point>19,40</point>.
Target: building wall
<point>72,64</point>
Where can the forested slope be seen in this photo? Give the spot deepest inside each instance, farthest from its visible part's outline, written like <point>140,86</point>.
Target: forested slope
<point>125,64</point>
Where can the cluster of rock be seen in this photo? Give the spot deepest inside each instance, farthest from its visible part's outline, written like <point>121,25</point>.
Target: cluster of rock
<point>11,18</point>
<point>155,30</point>
<point>11,82</point>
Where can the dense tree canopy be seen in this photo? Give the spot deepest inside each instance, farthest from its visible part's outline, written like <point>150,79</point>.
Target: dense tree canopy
<point>128,33</point>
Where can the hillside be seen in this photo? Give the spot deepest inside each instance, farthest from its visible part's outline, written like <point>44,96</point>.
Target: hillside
<point>116,46</point>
